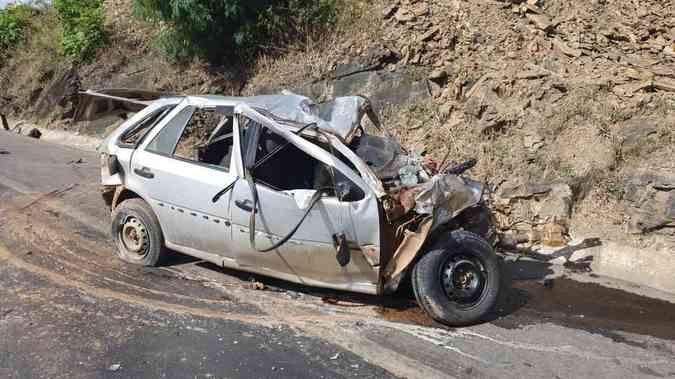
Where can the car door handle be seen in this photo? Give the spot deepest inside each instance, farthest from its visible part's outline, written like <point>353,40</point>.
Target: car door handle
<point>246,205</point>
<point>144,172</point>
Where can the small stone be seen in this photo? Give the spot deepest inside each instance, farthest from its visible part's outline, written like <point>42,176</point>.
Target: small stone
<point>534,73</point>
<point>28,131</point>
<point>435,89</point>
<point>438,74</point>
<point>430,34</point>
<point>533,142</point>
<point>532,8</point>
<point>403,16</point>
<point>420,9</point>
<point>541,21</point>
<point>445,110</point>
<point>389,11</point>
<point>115,367</point>
<point>565,49</point>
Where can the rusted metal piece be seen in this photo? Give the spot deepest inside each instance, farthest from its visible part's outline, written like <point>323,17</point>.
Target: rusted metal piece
<point>116,197</point>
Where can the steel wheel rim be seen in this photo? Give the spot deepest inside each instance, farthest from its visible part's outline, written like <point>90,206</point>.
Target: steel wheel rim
<point>134,237</point>
<point>464,280</point>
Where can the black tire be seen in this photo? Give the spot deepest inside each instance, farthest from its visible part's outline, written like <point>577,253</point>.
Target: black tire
<point>434,279</point>
<point>134,218</point>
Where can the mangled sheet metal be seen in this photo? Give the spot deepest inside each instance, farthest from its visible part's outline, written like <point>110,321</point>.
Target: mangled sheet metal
<point>446,196</point>
<point>407,250</point>
<point>341,116</point>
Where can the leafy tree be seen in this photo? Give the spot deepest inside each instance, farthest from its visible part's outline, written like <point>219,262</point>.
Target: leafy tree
<point>14,20</point>
<point>217,28</point>
<point>81,23</point>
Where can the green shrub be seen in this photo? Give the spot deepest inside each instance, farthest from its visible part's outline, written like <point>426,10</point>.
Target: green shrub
<point>288,23</point>
<point>81,27</point>
<point>14,20</point>
<point>215,29</point>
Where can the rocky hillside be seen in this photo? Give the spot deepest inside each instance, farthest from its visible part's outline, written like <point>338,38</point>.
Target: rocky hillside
<point>568,106</point>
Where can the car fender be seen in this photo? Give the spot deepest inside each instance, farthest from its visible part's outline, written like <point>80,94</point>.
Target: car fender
<point>448,196</point>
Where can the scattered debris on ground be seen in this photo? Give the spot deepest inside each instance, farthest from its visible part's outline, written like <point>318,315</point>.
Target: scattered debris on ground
<point>76,161</point>
<point>253,284</point>
<point>24,129</point>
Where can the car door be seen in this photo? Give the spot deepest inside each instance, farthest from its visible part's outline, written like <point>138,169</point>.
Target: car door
<point>284,184</point>
<point>180,175</point>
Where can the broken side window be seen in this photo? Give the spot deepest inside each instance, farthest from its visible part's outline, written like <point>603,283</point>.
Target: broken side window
<point>207,138</point>
<point>292,169</point>
<point>135,135</point>
<point>165,141</point>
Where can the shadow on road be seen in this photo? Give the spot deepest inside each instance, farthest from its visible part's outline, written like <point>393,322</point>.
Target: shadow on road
<point>398,307</point>
<point>529,297</point>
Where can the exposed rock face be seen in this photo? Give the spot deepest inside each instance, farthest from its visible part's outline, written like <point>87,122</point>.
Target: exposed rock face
<point>540,211</point>
<point>634,134</point>
<point>652,203</point>
<point>61,93</point>
<point>533,202</point>
<point>365,75</point>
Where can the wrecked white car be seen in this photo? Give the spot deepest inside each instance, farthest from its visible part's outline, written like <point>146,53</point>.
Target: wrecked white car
<point>317,194</point>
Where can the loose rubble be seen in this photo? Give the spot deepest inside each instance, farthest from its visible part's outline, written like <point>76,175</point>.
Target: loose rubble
<point>576,92</point>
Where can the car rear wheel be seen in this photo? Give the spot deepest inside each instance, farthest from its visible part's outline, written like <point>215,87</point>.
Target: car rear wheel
<point>137,233</point>
<point>458,282</point>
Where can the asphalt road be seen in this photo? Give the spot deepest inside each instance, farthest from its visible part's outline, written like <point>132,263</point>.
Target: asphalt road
<point>70,309</point>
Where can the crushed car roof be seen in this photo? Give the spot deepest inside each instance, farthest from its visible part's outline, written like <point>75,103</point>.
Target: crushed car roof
<point>340,116</point>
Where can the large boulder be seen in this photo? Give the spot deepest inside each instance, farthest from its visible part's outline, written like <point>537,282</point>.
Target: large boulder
<point>60,95</point>
<point>651,202</point>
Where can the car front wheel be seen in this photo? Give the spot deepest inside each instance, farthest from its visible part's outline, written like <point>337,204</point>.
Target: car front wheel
<point>137,233</point>
<point>457,283</point>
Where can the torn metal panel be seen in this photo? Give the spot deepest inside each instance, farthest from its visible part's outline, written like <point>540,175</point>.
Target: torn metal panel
<point>406,252</point>
<point>446,196</point>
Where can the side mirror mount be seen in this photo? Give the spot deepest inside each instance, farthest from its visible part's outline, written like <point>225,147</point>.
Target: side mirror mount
<point>347,191</point>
